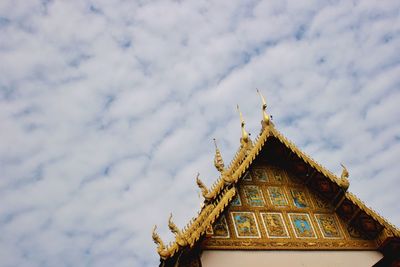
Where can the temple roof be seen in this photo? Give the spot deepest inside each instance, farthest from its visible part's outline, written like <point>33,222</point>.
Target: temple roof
<point>318,178</point>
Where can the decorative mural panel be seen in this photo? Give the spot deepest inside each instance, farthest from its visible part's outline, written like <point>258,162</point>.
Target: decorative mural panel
<point>274,225</point>
<point>277,196</point>
<point>253,195</point>
<point>236,202</point>
<point>245,225</point>
<point>299,198</point>
<point>220,228</point>
<point>274,209</point>
<point>328,225</point>
<point>247,176</point>
<point>301,225</point>
<point>278,175</point>
<point>260,175</point>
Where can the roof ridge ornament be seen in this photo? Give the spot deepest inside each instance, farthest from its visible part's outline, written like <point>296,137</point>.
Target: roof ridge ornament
<point>245,136</point>
<point>344,181</point>
<point>157,239</point>
<point>266,120</point>
<point>172,226</point>
<point>218,161</point>
<point>178,234</point>
<point>202,186</point>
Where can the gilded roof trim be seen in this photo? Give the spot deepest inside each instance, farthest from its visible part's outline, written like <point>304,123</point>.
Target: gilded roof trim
<point>192,232</point>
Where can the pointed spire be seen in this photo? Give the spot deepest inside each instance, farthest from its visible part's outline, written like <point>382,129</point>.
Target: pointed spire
<point>218,161</point>
<point>245,135</point>
<point>264,107</point>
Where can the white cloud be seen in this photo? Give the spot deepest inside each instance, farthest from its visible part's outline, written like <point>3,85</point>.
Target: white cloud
<point>108,111</point>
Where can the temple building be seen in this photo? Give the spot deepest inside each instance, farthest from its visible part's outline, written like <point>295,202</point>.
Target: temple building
<point>274,205</point>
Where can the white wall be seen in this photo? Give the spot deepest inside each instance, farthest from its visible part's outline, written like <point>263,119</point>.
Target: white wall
<point>218,258</point>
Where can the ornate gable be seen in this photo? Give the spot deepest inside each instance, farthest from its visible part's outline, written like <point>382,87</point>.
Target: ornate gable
<point>274,209</point>
<point>272,196</point>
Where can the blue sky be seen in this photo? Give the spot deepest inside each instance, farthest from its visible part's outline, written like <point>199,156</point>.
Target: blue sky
<point>108,110</point>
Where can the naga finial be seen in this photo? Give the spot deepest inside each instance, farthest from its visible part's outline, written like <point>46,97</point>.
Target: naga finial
<point>344,181</point>
<point>218,161</point>
<point>178,234</point>
<point>264,107</point>
<point>204,190</point>
<point>345,172</point>
<point>157,239</point>
<point>245,135</point>
<point>172,226</point>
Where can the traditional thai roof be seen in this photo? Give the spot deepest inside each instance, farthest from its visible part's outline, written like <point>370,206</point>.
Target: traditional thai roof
<point>221,193</point>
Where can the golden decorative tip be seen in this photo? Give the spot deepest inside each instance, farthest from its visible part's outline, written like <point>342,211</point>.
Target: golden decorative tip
<point>218,161</point>
<point>240,115</point>
<point>172,226</point>
<point>204,190</point>
<point>157,239</point>
<point>345,172</point>
<point>180,239</point>
<point>245,135</point>
<point>264,107</point>
<point>344,181</point>
<point>154,233</point>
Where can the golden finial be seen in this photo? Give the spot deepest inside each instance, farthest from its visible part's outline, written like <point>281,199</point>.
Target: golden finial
<point>264,107</point>
<point>157,239</point>
<point>344,181</point>
<point>218,161</point>
<point>178,234</point>
<point>345,172</point>
<point>204,190</point>
<point>172,226</point>
<point>245,135</point>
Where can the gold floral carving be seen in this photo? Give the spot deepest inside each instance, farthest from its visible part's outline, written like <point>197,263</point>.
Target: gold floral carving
<point>289,244</point>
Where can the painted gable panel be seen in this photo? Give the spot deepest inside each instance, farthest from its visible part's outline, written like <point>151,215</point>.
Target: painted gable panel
<point>274,209</point>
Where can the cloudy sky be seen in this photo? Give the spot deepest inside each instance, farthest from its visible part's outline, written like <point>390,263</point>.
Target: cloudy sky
<point>108,110</point>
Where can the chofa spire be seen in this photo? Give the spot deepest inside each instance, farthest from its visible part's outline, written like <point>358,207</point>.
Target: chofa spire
<point>245,136</point>
<point>265,122</point>
<point>218,161</point>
